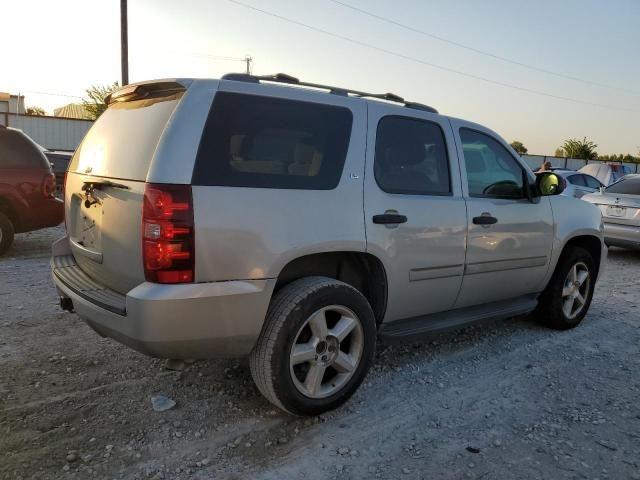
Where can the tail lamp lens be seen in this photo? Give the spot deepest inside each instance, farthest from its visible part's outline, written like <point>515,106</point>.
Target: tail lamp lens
<point>48,185</point>
<point>167,234</point>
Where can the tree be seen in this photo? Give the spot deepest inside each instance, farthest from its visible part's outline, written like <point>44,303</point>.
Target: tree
<point>35,111</point>
<point>584,149</point>
<point>519,147</point>
<point>627,158</point>
<point>559,152</point>
<point>94,103</point>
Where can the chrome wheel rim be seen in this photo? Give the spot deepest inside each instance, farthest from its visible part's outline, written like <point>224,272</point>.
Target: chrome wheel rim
<point>575,290</point>
<point>326,351</point>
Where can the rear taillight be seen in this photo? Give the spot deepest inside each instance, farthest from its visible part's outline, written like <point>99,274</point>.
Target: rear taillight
<point>168,249</point>
<point>49,185</point>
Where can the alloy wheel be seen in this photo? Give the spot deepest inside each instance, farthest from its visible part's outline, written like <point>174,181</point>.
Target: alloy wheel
<point>326,351</point>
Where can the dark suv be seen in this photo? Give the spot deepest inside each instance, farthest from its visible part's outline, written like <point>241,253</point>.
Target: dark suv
<point>27,185</point>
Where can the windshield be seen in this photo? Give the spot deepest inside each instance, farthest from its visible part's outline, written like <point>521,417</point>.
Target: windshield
<point>628,186</point>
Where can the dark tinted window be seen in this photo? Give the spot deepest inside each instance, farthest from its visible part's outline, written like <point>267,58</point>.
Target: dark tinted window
<point>253,141</point>
<point>491,170</point>
<point>592,182</point>
<point>18,151</point>
<point>411,157</point>
<point>630,185</point>
<point>577,180</point>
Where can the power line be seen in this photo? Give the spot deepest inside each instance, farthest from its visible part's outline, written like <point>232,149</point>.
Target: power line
<point>482,52</point>
<point>429,64</point>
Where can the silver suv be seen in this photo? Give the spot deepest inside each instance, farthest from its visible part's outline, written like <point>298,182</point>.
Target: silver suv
<point>293,223</point>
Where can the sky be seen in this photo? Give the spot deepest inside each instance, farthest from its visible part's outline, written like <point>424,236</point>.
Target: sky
<point>63,47</point>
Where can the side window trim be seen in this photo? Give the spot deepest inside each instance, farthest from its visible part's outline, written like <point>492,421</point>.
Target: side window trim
<point>445,145</point>
<point>519,162</point>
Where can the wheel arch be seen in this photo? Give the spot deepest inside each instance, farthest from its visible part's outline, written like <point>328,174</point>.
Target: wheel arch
<point>591,243</point>
<point>361,270</point>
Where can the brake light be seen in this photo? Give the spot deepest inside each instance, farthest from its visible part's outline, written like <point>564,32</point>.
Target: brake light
<point>167,234</point>
<point>48,185</point>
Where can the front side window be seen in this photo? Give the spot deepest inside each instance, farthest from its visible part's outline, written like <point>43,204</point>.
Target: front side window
<point>592,182</point>
<point>411,157</point>
<point>264,142</point>
<point>491,170</point>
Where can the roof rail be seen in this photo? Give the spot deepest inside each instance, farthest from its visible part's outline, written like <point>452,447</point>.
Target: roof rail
<point>290,80</point>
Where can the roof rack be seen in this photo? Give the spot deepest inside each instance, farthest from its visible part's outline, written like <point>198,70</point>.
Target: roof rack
<point>345,92</point>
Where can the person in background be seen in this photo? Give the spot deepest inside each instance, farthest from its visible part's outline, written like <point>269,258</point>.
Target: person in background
<point>545,167</point>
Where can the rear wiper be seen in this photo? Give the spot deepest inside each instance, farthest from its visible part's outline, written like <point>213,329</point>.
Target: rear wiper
<point>90,185</point>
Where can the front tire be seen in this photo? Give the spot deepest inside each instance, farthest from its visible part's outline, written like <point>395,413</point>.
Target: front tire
<point>567,298</point>
<point>316,346</point>
<point>6,233</point>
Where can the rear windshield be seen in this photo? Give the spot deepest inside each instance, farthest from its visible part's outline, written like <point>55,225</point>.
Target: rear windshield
<point>123,140</point>
<point>629,186</point>
<point>254,141</point>
<point>19,151</point>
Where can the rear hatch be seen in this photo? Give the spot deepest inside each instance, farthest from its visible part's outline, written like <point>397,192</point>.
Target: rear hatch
<point>105,183</point>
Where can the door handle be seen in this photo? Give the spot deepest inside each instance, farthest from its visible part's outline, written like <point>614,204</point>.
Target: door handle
<point>389,219</point>
<point>485,219</point>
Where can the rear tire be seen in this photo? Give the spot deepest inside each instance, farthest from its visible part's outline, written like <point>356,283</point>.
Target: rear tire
<point>7,232</point>
<point>567,298</point>
<point>316,346</point>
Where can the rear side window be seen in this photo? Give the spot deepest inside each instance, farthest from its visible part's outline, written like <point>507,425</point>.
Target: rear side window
<point>577,180</point>
<point>18,151</point>
<point>122,142</point>
<point>264,142</point>
<point>411,157</point>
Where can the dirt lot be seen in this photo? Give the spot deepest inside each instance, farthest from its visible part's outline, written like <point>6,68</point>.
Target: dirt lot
<point>508,399</point>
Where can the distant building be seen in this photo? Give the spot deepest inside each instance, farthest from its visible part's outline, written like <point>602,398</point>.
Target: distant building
<point>72,110</point>
<point>11,103</point>
<point>53,133</point>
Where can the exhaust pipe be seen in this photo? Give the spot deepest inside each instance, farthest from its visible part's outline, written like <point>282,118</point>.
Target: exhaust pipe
<point>66,304</point>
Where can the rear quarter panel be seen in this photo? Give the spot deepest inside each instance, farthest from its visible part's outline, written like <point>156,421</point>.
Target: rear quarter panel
<point>252,233</point>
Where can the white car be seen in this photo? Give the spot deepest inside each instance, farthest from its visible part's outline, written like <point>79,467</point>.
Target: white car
<point>578,184</point>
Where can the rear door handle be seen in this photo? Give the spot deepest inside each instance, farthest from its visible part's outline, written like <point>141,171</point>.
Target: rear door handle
<point>389,219</point>
<point>485,219</point>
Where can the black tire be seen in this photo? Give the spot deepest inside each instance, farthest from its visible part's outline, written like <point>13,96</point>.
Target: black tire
<point>550,307</point>
<point>288,313</point>
<point>6,233</point>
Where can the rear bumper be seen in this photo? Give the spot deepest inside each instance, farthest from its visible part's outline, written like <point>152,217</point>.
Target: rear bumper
<point>625,236</point>
<point>201,320</point>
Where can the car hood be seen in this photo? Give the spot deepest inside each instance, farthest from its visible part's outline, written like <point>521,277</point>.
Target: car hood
<point>622,200</point>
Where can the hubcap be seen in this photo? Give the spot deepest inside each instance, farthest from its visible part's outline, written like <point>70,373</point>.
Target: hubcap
<point>575,290</point>
<point>326,351</point>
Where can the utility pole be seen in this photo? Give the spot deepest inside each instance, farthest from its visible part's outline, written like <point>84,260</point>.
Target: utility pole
<point>248,60</point>
<point>124,43</point>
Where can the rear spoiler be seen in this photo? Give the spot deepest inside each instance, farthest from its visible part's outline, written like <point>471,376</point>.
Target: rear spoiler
<point>144,90</point>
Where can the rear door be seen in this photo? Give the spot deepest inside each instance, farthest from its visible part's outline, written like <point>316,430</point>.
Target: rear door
<point>509,236</point>
<point>106,181</point>
<point>415,215</point>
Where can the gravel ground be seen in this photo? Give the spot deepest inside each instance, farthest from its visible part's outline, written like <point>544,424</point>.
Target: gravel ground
<point>507,399</point>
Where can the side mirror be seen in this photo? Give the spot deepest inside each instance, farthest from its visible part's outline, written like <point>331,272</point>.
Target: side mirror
<point>602,188</point>
<point>548,183</point>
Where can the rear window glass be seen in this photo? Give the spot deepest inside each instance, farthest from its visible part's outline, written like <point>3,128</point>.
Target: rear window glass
<point>18,151</point>
<point>629,186</point>
<point>121,143</point>
<point>254,141</point>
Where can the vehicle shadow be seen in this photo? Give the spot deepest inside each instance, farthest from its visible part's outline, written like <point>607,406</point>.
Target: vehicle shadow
<point>35,244</point>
